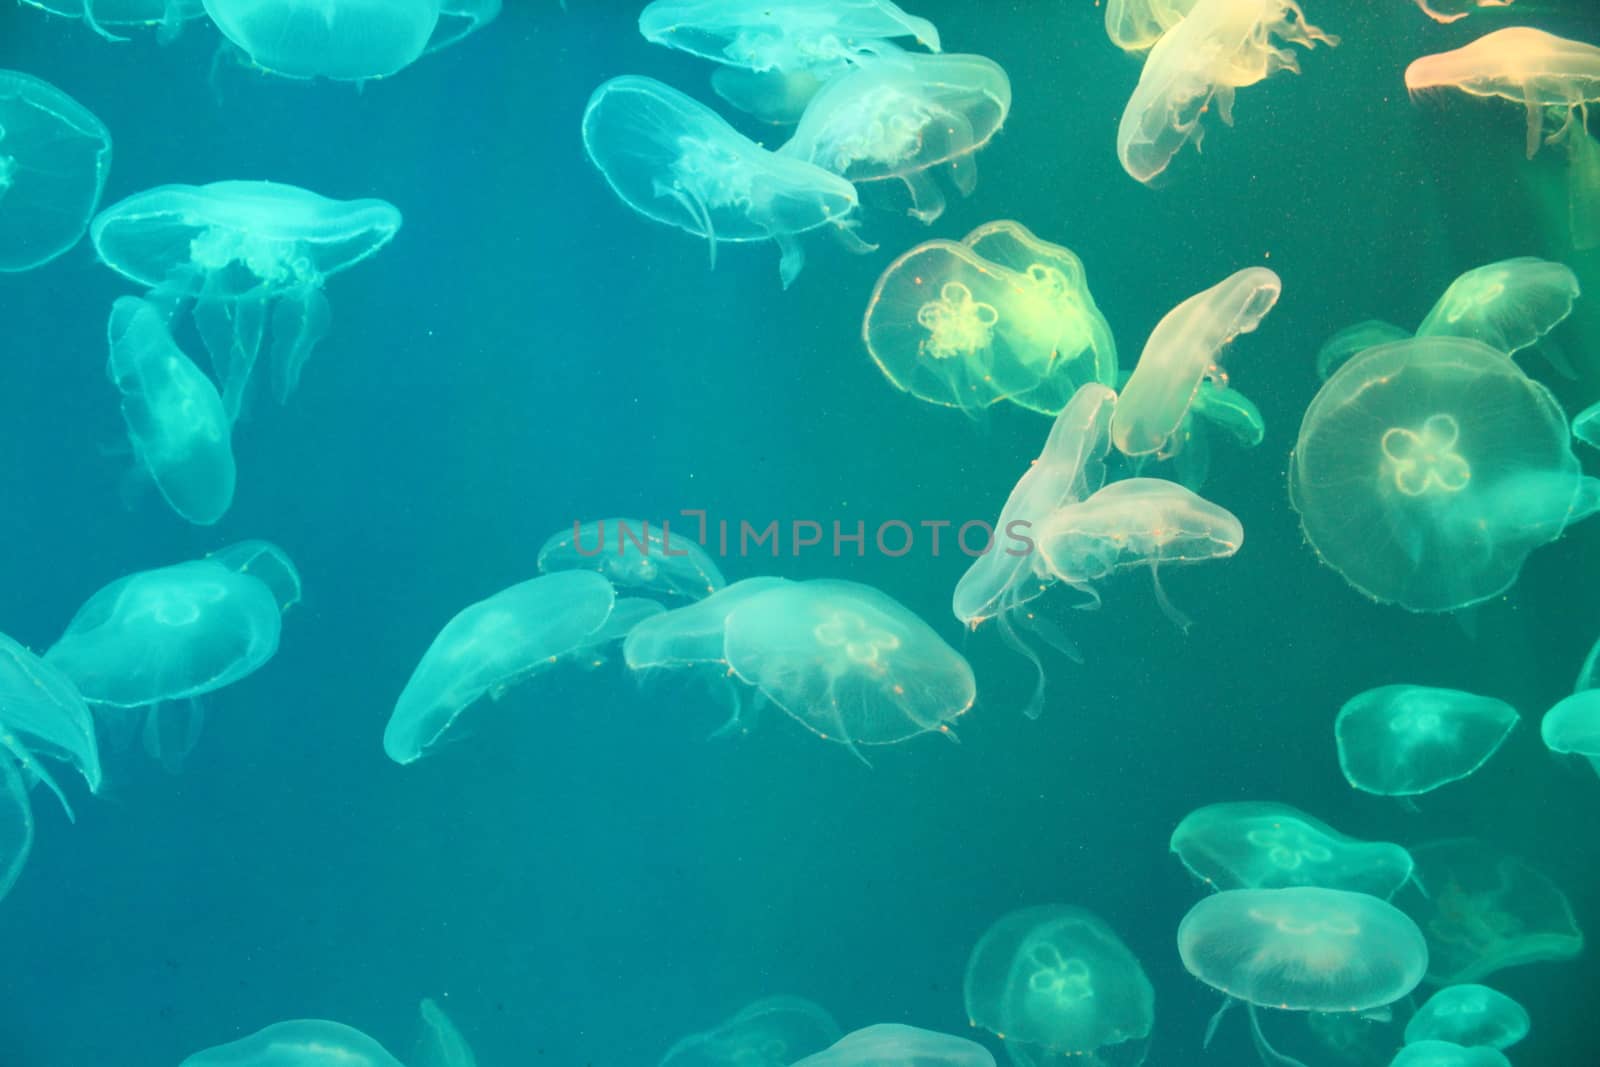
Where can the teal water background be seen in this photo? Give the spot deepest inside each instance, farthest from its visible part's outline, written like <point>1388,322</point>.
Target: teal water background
<point>586,878</point>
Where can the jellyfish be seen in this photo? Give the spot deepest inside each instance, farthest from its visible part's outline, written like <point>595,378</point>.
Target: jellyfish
<point>42,712</point>
<point>1002,581</point>
<point>1182,351</point>
<point>1353,340</point>
<point>300,1043</point>
<point>848,662</point>
<point>1486,910</point>
<point>1003,315</point>
<point>1301,949</point>
<point>16,824</point>
<point>1507,305</point>
<point>1219,47</point>
<point>905,116</point>
<point>491,646</point>
<point>1572,727</point>
<point>634,554</point>
<point>1586,425</point>
<point>1447,1054</point>
<point>1447,11</point>
<point>1472,1015</point>
<point>441,1044</point>
<point>1403,740</point>
<point>898,1045</point>
<point>243,252</point>
<point>674,160</point>
<point>775,56</point>
<point>1252,845</point>
<point>106,16</point>
<point>181,435</point>
<point>1136,25</point>
<point>771,1032</point>
<point>267,563</point>
<point>54,156</point>
<point>1427,470</point>
<point>1055,981</point>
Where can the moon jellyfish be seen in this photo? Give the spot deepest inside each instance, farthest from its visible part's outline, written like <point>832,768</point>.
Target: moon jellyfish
<point>1219,47</point>
<point>775,55</point>
<point>1183,350</point>
<point>1507,305</point>
<point>181,435</point>
<point>493,645</point>
<point>674,160</point>
<point>106,16</point>
<point>1402,740</point>
<point>1447,1054</point>
<point>1486,910</point>
<point>1427,470</point>
<point>1057,981</point>
<point>244,252</point>
<point>905,116</point>
<point>1447,11</point>
<point>297,1043</point>
<point>772,1032</point>
<point>1004,580</point>
<point>1251,845</point>
<point>442,1044</point>
<point>1002,315</point>
<point>634,554</point>
<point>16,824</point>
<point>41,709</point>
<point>848,662</point>
<point>1136,25</point>
<point>1301,949</point>
<point>1353,340</point>
<point>54,156</point>
<point>897,1045</point>
<point>1572,727</point>
<point>1469,1015</point>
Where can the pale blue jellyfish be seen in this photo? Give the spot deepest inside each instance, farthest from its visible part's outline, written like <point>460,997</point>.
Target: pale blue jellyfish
<point>898,1045</point>
<point>297,1043</point>
<point>1056,981</point>
<point>635,554</point>
<point>54,156</point>
<point>245,252</point>
<point>771,1032</point>
<point>1572,726</point>
<point>16,824</point>
<point>182,436</point>
<point>442,1044</point>
<point>1470,1015</point>
<point>674,160</point>
<point>493,645</point>
<point>1402,740</point>
<point>112,18</point>
<point>1258,845</point>
<point>1432,1053</point>
<point>41,709</point>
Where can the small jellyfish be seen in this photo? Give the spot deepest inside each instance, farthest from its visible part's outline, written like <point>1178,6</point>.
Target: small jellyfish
<point>182,437</point>
<point>491,646</point>
<point>1219,47</point>
<point>634,554</point>
<point>16,824</point>
<point>674,160</point>
<point>906,116</point>
<point>1250,845</point>
<point>1447,1054</point>
<point>1301,949</point>
<point>1427,470</point>
<point>1056,981</point>
<point>41,709</point>
<point>898,1045</point>
<point>1469,1015</point>
<point>1183,350</point>
<point>1507,305</point>
<point>1403,740</point>
<point>441,1044</point>
<point>54,157</point>
<point>1353,340</point>
<point>1572,727</point>
<point>771,1032</point>
<point>1002,315</point>
<point>297,1043</point>
<point>1136,25</point>
<point>848,662</point>
<point>107,16</point>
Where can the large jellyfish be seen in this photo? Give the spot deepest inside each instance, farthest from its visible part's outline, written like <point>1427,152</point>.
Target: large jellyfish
<point>848,662</point>
<point>1136,25</point>
<point>634,554</point>
<point>906,116</point>
<point>1219,47</point>
<point>1002,315</point>
<point>54,156</point>
<point>41,711</point>
<point>1470,1015</point>
<point>1255,845</point>
<point>1507,305</point>
<point>674,160</point>
<point>16,824</point>
<point>1402,740</point>
<point>1427,470</point>
<point>771,1032</point>
<point>1055,981</point>
<point>181,434</point>
<point>775,54</point>
<point>1572,727</point>
<point>1447,1054</point>
<point>297,1043</point>
<point>1485,910</point>
<point>244,251</point>
<point>898,1045</point>
<point>1301,949</point>
<point>106,17</point>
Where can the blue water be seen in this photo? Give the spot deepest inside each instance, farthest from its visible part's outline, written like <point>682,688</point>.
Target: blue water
<point>585,877</point>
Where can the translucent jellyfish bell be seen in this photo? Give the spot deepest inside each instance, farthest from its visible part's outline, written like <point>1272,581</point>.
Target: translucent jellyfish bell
<point>1056,981</point>
<point>1251,845</point>
<point>1469,1015</point>
<point>347,40</point>
<point>1447,1054</point>
<point>634,554</point>
<point>1136,25</point>
<point>42,709</point>
<point>1507,305</point>
<point>1403,740</point>
<point>54,157</point>
<point>674,160</point>
<point>297,1043</point>
<point>1427,470</point>
<point>771,1032</point>
<point>1572,727</point>
<point>898,1045</point>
